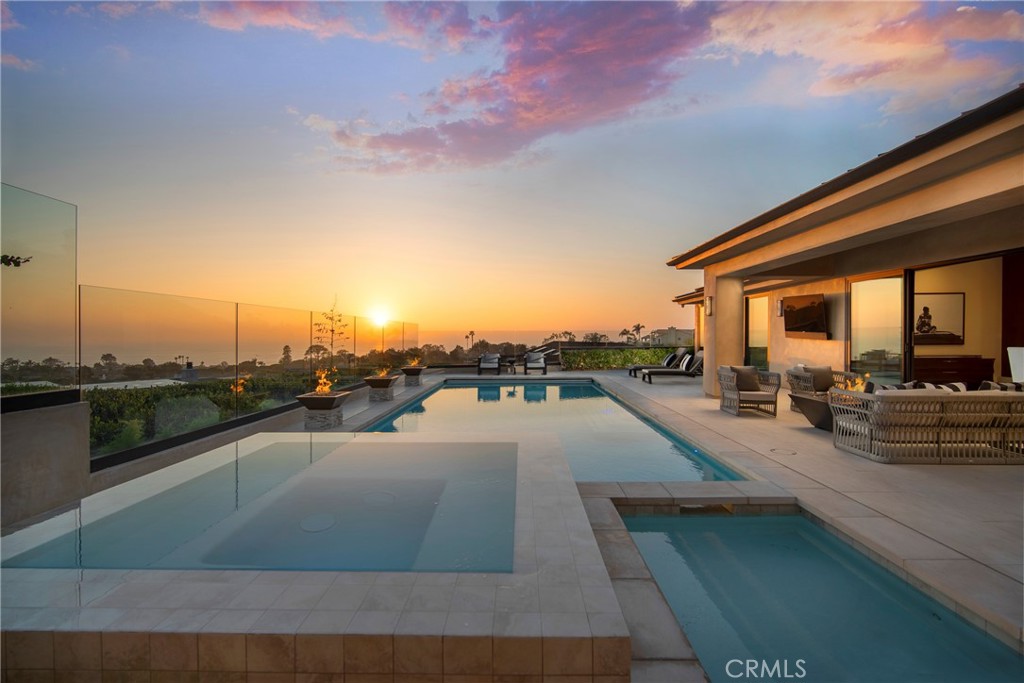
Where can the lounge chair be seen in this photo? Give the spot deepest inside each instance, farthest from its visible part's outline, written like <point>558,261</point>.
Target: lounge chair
<point>489,361</point>
<point>746,387</point>
<point>696,369</point>
<point>535,360</point>
<point>815,382</point>
<point>676,359</point>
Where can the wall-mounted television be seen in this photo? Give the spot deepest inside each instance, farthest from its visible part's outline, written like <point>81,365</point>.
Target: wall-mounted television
<point>804,316</point>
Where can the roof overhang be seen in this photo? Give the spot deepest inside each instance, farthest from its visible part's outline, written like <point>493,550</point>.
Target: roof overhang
<point>881,200</point>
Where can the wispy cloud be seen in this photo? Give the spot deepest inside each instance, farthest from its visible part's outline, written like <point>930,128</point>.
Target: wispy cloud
<point>14,62</point>
<point>323,20</point>
<point>7,20</point>
<point>566,67</point>
<point>118,10</point>
<point>906,53</point>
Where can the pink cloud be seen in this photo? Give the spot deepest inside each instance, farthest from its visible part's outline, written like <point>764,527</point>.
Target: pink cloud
<point>118,10</point>
<point>7,20</point>
<point>320,19</point>
<point>18,63</point>
<point>429,24</point>
<point>567,66</point>
<point>907,53</point>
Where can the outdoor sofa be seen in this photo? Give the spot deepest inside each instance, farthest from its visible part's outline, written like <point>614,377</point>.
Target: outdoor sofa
<point>930,426</point>
<point>747,388</point>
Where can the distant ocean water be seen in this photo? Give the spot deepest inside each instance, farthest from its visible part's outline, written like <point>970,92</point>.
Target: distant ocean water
<point>452,338</point>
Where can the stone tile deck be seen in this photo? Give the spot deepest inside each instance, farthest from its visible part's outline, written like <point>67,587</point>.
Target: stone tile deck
<point>954,531</point>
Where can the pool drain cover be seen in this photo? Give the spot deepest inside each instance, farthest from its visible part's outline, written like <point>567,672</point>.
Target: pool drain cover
<point>317,523</point>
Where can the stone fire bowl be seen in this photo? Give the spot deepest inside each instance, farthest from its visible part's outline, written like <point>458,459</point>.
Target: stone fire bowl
<point>376,382</point>
<point>329,401</point>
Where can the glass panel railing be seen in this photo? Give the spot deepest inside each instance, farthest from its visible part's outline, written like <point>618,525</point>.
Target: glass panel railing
<point>272,363</point>
<point>154,366</point>
<point>37,281</point>
<point>158,366</point>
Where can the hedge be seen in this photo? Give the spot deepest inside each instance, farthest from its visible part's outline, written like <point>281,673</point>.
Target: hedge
<point>611,359</point>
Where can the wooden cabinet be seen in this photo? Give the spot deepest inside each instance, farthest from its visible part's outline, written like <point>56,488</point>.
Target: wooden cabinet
<point>971,370</point>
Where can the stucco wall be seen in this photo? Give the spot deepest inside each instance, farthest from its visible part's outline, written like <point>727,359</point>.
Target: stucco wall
<point>785,352</point>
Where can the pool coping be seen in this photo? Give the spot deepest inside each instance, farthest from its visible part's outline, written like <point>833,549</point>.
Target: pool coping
<point>555,614</point>
<point>884,540</point>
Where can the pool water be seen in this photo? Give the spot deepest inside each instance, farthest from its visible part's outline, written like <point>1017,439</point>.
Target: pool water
<point>787,597</point>
<point>601,439</point>
<point>298,502</point>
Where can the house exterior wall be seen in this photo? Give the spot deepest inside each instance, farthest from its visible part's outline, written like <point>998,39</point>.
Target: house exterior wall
<point>785,352</point>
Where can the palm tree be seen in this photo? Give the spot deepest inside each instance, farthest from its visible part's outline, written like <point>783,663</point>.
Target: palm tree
<point>568,336</point>
<point>636,331</point>
<point>471,336</point>
<point>625,334</point>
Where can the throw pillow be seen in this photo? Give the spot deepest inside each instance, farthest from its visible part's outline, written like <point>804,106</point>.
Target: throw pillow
<point>746,377</point>
<point>1003,386</point>
<point>821,377</point>
<point>955,387</point>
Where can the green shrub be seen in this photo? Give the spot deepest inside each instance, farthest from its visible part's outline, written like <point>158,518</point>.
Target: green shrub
<point>129,435</point>
<point>611,359</point>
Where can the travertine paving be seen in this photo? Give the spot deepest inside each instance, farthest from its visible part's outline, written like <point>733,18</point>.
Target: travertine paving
<point>955,531</point>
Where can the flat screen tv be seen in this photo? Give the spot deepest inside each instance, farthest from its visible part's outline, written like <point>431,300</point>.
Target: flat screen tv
<point>804,316</point>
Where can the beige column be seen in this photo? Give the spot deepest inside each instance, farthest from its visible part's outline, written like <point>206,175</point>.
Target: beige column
<point>723,329</point>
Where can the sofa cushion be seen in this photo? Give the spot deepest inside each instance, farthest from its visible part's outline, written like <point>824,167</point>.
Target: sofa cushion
<point>821,377</point>
<point>746,377</point>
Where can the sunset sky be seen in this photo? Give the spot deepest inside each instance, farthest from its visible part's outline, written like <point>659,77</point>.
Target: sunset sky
<point>462,166</point>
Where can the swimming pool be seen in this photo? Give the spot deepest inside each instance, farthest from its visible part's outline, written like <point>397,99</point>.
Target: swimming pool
<point>602,440</point>
<point>784,596</point>
<point>299,502</point>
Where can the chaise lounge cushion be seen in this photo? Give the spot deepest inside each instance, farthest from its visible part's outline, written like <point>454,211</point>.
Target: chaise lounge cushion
<point>746,377</point>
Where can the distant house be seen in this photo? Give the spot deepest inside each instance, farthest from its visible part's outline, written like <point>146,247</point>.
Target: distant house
<point>937,222</point>
<point>669,337</point>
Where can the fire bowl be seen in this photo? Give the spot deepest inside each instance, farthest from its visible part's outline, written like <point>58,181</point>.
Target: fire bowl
<point>413,370</point>
<point>329,401</point>
<point>377,382</point>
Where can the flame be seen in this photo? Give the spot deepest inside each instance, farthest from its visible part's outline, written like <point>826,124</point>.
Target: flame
<point>383,372</point>
<point>238,386</point>
<point>323,385</point>
<point>857,384</point>
<point>414,362</point>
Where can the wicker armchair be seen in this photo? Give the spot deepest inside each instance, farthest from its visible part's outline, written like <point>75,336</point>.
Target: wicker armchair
<point>811,382</point>
<point>734,399</point>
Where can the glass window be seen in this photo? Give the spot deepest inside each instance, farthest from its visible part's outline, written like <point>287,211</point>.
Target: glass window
<point>757,332</point>
<point>876,328</point>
